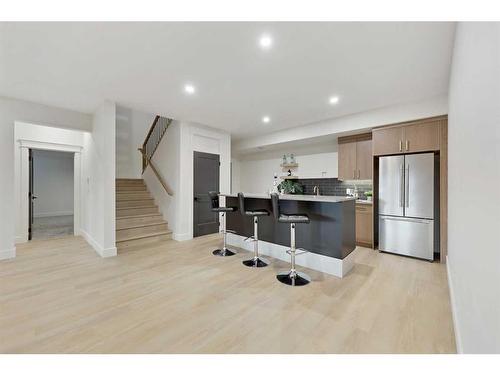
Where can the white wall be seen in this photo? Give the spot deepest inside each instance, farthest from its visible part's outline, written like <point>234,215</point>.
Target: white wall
<point>174,159</point>
<point>12,110</point>
<point>474,177</point>
<point>53,183</point>
<point>131,129</point>
<point>99,161</point>
<point>256,171</point>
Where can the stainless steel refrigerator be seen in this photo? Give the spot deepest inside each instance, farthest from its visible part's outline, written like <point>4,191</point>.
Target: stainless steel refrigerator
<point>406,205</point>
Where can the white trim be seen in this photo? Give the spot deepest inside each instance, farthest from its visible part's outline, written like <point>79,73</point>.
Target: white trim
<point>56,213</point>
<point>104,253</point>
<point>8,253</point>
<point>182,236</point>
<point>458,337</point>
<point>318,262</point>
<point>50,146</point>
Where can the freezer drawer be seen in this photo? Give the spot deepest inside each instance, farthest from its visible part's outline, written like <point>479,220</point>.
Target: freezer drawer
<point>407,236</point>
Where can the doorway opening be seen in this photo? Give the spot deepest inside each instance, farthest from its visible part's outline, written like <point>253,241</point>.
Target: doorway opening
<point>51,194</point>
<point>205,178</point>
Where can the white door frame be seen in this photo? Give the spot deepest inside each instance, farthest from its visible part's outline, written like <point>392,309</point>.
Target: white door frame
<point>24,146</point>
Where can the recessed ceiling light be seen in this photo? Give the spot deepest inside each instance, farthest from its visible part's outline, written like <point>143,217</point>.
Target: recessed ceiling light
<point>266,119</point>
<point>189,89</point>
<point>265,41</point>
<point>334,100</point>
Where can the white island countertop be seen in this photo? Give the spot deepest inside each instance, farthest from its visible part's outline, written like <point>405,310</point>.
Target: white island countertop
<point>296,197</point>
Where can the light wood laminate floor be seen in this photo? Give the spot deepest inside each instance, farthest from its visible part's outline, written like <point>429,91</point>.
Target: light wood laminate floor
<point>59,296</point>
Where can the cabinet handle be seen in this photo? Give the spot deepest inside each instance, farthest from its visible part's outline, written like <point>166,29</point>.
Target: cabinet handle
<point>354,174</point>
<point>407,145</point>
<point>400,146</point>
<point>359,174</point>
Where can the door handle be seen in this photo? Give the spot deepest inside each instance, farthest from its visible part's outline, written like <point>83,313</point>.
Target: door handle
<point>407,193</point>
<point>34,197</point>
<point>401,186</point>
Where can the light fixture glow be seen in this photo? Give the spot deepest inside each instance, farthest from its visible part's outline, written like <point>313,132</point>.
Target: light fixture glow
<point>334,100</point>
<point>266,119</point>
<point>265,41</point>
<point>189,89</point>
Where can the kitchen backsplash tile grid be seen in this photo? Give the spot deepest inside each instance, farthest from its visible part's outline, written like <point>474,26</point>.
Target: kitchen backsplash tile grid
<point>333,186</point>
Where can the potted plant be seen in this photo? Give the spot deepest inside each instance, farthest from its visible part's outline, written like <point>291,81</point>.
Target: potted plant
<point>290,187</point>
<point>369,195</point>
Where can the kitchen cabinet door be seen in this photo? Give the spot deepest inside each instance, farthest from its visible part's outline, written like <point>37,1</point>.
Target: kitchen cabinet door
<point>347,161</point>
<point>421,137</point>
<point>364,225</point>
<point>364,157</point>
<point>388,141</point>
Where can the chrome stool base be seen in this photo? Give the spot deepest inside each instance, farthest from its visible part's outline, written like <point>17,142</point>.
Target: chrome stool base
<point>223,252</point>
<point>293,278</point>
<point>255,262</point>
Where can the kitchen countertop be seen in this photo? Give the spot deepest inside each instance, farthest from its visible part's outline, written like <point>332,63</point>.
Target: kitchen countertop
<point>297,197</point>
<point>362,201</point>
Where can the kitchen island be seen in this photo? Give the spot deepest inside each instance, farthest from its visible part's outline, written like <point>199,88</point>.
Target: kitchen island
<point>329,238</point>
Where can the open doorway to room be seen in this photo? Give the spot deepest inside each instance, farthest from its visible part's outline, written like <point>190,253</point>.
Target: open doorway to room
<point>51,194</point>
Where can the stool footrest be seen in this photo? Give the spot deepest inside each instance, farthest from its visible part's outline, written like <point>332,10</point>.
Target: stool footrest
<point>297,252</point>
<point>251,238</point>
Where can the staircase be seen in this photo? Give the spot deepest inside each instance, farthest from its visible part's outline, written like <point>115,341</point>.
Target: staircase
<point>138,220</point>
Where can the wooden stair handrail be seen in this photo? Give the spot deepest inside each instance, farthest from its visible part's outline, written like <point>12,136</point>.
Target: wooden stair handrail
<point>160,178</point>
<point>150,132</point>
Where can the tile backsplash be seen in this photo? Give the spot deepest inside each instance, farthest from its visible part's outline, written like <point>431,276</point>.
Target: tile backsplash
<point>333,186</point>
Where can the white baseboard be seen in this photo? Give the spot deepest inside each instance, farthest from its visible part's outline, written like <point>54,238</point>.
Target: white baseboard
<point>8,253</point>
<point>458,339</point>
<point>318,262</point>
<point>182,236</point>
<point>57,213</point>
<point>105,253</point>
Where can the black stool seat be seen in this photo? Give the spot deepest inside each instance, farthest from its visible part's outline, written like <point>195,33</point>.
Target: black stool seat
<point>257,213</point>
<point>298,219</point>
<point>224,209</point>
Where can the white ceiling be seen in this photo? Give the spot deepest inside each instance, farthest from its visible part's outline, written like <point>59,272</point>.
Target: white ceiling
<point>145,66</point>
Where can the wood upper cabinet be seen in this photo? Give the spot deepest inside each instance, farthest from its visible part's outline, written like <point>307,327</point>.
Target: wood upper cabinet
<point>388,140</point>
<point>421,137</point>
<point>355,157</point>
<point>416,136</point>
<point>364,157</point>
<point>364,225</point>
<point>347,161</point>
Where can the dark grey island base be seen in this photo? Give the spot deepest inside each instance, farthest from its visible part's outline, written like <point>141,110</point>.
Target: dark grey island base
<point>330,237</point>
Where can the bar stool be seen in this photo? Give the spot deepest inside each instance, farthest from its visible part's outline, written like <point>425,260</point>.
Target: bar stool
<point>256,261</point>
<point>214,199</point>
<point>292,277</point>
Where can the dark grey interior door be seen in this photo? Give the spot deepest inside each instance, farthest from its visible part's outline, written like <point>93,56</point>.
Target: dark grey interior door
<point>206,178</point>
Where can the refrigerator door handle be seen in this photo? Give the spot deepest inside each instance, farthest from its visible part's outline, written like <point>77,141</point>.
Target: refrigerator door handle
<point>407,186</point>
<point>409,219</point>
<point>401,186</point>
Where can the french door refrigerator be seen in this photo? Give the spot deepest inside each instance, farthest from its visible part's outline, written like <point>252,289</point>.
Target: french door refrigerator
<point>406,205</point>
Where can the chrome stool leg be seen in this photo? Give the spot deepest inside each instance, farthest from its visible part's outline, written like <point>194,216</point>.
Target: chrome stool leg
<point>224,252</point>
<point>293,277</point>
<point>256,261</point>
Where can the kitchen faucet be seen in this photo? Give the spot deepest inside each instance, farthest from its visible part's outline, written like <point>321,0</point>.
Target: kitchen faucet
<point>316,190</point>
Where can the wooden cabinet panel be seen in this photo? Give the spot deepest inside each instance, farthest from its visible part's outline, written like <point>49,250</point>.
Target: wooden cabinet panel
<point>364,156</point>
<point>421,137</point>
<point>347,161</point>
<point>388,141</point>
<point>364,225</point>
